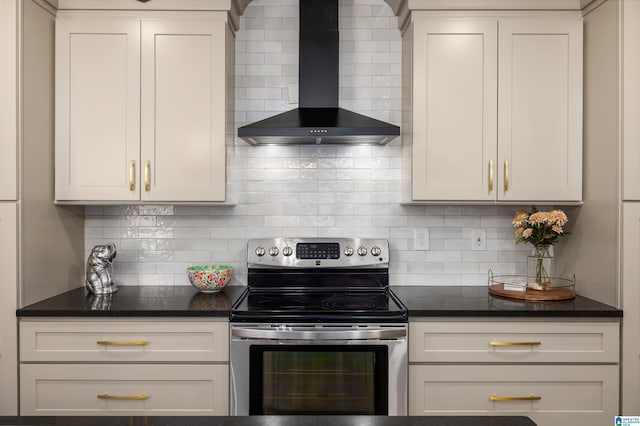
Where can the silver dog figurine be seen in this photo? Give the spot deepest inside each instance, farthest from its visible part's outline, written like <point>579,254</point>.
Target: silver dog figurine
<point>99,268</point>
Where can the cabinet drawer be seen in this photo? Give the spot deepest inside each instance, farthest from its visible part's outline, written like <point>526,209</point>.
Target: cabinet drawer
<point>83,389</point>
<point>585,395</point>
<point>517,342</point>
<point>124,341</point>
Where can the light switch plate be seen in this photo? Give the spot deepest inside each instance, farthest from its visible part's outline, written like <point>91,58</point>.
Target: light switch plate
<point>478,239</point>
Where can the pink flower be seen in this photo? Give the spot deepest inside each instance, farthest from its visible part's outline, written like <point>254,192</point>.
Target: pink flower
<point>539,228</point>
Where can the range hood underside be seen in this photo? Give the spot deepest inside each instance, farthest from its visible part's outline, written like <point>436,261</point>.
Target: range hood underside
<point>319,126</point>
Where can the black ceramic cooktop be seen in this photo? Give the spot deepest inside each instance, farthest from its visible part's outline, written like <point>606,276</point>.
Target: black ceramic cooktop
<point>330,305</point>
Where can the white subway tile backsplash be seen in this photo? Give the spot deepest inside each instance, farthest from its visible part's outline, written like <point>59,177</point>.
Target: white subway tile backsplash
<point>155,232</point>
<point>425,268</point>
<point>92,233</point>
<point>310,190</point>
<point>194,232</point>
<point>111,233</point>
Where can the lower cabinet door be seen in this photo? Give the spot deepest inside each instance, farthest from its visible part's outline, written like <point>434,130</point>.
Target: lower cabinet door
<point>550,395</point>
<point>111,389</point>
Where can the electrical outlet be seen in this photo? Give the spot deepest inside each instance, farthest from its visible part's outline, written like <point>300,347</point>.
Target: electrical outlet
<point>478,239</point>
<point>421,239</point>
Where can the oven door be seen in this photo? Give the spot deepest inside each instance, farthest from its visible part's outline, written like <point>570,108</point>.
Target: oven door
<point>318,369</point>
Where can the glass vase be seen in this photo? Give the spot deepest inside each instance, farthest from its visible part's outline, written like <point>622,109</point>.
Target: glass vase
<point>540,267</point>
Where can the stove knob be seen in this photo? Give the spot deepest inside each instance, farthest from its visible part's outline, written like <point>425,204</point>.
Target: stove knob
<point>287,251</point>
<point>260,251</point>
<point>348,251</point>
<point>375,251</point>
<point>273,251</point>
<point>362,251</point>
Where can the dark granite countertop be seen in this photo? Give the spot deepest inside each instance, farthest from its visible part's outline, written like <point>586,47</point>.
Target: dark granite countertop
<point>185,301</point>
<point>137,301</point>
<point>273,421</point>
<point>440,301</point>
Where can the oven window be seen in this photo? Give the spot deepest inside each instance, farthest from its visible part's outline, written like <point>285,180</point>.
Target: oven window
<point>317,379</point>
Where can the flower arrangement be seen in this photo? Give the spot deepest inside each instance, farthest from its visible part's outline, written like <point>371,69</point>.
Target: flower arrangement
<point>542,229</point>
<point>539,228</point>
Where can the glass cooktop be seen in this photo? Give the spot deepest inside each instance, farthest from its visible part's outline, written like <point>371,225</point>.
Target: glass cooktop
<point>353,305</point>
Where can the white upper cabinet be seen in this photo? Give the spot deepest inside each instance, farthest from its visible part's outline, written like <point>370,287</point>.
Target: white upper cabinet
<point>183,110</point>
<point>495,108</point>
<point>540,110</point>
<point>630,97</point>
<point>97,109</point>
<point>454,109</point>
<point>141,107</point>
<point>8,102</point>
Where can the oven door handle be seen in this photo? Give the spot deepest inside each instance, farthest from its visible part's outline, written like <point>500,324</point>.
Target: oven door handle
<point>319,334</point>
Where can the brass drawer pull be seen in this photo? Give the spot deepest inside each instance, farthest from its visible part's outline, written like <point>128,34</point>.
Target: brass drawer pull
<point>490,175</point>
<point>132,176</point>
<point>506,175</point>
<point>515,398</point>
<point>117,343</point>
<point>147,171</point>
<point>496,343</point>
<point>140,397</point>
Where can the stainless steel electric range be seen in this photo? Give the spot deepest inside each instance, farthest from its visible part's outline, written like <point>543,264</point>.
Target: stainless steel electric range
<point>318,331</point>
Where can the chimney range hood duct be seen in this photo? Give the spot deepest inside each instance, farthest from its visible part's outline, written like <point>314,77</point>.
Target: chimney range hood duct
<point>318,120</point>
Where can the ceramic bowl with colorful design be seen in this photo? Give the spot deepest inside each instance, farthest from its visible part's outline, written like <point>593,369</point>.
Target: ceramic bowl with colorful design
<point>209,278</point>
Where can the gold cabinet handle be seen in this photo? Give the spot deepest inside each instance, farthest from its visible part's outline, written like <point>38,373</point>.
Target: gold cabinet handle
<point>132,175</point>
<point>515,398</point>
<point>122,343</point>
<point>147,185</point>
<point>140,397</point>
<point>490,175</point>
<point>506,175</point>
<point>497,343</point>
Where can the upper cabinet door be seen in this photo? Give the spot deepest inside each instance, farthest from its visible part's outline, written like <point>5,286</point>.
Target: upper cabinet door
<point>8,101</point>
<point>454,109</point>
<point>540,110</point>
<point>631,105</point>
<point>183,109</point>
<point>97,109</point>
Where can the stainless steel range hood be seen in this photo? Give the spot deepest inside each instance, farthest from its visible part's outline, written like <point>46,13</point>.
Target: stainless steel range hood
<point>318,120</point>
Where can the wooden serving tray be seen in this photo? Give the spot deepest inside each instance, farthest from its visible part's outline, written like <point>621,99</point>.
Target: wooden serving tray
<point>556,293</point>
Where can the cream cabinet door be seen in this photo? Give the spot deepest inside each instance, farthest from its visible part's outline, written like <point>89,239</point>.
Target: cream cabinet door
<point>124,341</point>
<point>631,100</point>
<point>97,109</point>
<point>8,301</point>
<point>8,101</point>
<point>540,110</point>
<point>454,109</point>
<point>124,389</point>
<point>550,395</point>
<point>630,302</point>
<point>183,109</point>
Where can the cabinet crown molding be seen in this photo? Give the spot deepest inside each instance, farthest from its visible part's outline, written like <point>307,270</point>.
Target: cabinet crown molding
<point>235,8</point>
<point>403,8</point>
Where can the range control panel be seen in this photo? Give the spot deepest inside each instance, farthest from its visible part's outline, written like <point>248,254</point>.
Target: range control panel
<point>318,252</point>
